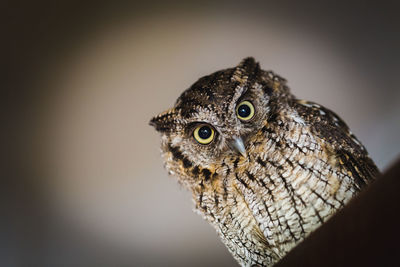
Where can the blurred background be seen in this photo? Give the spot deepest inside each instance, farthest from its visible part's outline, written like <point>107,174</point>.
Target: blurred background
<point>84,182</point>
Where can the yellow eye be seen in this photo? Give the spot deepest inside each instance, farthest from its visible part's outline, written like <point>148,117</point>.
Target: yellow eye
<point>245,110</point>
<point>203,134</point>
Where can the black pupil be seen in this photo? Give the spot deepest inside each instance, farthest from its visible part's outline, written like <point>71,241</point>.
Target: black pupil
<point>244,111</point>
<point>204,132</point>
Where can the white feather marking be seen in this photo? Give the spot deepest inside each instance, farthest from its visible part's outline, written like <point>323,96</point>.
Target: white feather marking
<point>299,120</point>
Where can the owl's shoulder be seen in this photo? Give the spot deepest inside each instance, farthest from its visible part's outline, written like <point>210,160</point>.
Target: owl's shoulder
<point>327,125</point>
<point>330,128</point>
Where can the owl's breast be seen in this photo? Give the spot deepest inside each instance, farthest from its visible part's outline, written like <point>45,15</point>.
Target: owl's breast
<point>287,186</point>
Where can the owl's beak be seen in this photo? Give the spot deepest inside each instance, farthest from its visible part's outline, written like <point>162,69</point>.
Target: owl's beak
<point>238,145</point>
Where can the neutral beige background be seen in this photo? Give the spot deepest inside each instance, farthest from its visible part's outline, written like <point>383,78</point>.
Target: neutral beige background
<point>110,199</point>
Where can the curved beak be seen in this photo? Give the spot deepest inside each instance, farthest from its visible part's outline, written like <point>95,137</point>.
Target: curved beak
<point>238,145</point>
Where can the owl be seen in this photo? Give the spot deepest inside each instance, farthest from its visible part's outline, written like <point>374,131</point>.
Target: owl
<point>265,169</point>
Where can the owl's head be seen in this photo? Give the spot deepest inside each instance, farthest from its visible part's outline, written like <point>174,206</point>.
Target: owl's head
<point>217,116</point>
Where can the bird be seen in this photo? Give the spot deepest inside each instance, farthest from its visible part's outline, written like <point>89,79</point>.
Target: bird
<point>265,168</point>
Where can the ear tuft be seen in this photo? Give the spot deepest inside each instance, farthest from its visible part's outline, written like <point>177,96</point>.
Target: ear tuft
<point>247,69</point>
<point>248,65</point>
<point>246,72</point>
<point>165,121</point>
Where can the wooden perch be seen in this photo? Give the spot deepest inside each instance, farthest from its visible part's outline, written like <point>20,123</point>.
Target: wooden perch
<point>364,233</point>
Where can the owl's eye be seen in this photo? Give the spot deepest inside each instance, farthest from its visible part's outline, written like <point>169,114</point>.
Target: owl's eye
<point>203,134</point>
<point>245,110</point>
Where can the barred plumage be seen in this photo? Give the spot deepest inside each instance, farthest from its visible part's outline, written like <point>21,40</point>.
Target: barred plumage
<point>298,165</point>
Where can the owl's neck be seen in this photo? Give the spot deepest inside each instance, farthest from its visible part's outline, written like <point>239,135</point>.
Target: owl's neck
<point>269,198</point>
